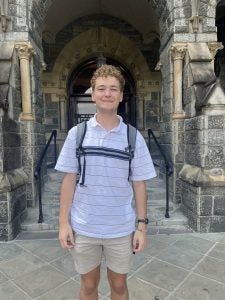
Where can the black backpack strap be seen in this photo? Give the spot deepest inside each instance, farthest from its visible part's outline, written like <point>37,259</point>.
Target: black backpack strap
<point>131,140</point>
<point>81,131</point>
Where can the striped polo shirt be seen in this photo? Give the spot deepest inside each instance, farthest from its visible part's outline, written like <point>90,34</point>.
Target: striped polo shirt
<point>103,208</point>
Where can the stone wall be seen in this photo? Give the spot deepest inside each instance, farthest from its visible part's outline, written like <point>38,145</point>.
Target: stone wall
<point>12,176</point>
<point>203,175</point>
<point>13,181</point>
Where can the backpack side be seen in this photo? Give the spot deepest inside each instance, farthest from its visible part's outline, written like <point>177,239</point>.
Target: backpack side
<point>131,140</point>
<point>81,131</point>
<point>131,137</point>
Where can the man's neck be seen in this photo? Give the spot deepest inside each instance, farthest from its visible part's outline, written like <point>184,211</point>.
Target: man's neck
<point>107,121</point>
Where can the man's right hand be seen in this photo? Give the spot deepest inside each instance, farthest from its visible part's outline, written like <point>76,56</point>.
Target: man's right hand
<point>66,237</point>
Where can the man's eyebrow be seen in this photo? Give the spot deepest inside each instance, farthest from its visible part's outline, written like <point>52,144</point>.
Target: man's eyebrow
<point>103,85</point>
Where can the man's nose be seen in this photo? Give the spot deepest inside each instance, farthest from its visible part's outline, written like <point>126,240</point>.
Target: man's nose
<point>107,92</point>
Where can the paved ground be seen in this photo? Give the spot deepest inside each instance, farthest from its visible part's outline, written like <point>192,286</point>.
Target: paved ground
<point>187,266</point>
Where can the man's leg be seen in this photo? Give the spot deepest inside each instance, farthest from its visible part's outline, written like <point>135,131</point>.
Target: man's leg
<point>118,285</point>
<point>118,255</point>
<point>89,285</point>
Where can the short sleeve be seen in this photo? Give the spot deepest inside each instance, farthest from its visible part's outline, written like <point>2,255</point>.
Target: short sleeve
<point>67,161</point>
<point>142,167</point>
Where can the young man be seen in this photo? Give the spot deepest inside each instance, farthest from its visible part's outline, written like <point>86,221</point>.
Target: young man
<point>96,214</point>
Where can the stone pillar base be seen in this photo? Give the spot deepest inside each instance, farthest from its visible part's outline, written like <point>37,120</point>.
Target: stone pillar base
<point>26,117</point>
<point>178,115</point>
<point>203,198</point>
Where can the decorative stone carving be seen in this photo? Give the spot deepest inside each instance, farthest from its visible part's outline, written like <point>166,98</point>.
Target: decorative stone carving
<point>4,104</point>
<point>214,47</point>
<point>210,98</point>
<point>158,66</point>
<point>195,20</point>
<point>195,23</point>
<point>4,19</point>
<point>25,50</point>
<point>178,52</point>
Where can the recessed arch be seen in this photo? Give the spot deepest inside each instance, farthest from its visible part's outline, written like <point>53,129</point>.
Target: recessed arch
<point>87,45</point>
<point>162,11</point>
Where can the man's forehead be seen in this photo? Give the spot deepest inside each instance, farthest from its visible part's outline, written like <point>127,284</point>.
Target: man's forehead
<point>107,79</point>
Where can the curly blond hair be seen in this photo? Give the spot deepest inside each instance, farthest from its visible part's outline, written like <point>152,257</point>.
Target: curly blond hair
<point>105,71</point>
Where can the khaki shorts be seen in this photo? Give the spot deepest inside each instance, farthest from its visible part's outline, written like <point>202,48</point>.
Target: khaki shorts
<point>88,253</point>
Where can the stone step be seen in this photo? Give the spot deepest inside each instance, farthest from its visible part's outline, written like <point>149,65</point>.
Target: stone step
<point>156,218</point>
<point>51,194</point>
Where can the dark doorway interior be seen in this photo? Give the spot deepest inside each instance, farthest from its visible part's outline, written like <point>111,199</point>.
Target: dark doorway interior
<point>80,105</point>
<point>220,56</point>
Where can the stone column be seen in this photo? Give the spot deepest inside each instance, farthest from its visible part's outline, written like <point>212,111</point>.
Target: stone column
<point>25,50</point>
<point>140,111</point>
<point>62,103</point>
<point>178,52</point>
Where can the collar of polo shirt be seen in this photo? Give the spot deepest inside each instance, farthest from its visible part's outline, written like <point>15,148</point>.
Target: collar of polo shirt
<point>93,122</point>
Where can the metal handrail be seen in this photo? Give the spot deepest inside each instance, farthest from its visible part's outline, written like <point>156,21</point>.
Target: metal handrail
<point>168,166</point>
<point>37,172</point>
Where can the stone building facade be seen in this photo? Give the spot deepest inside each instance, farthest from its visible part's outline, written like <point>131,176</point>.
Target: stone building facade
<point>172,56</point>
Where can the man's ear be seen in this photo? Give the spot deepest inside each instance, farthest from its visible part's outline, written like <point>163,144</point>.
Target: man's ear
<point>92,96</point>
<point>121,97</point>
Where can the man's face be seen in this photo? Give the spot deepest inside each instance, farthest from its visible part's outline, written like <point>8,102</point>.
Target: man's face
<point>107,94</point>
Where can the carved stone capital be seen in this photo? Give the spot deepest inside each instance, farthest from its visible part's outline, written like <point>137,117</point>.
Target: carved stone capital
<point>214,47</point>
<point>25,50</point>
<point>178,51</point>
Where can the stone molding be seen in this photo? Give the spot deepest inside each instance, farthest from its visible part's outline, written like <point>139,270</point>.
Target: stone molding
<point>202,177</point>
<point>12,180</point>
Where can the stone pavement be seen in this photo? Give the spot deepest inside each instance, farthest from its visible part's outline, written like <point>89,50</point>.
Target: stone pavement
<point>181,266</point>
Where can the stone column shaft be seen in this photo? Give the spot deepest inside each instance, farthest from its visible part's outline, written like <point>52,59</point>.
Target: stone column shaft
<point>178,52</point>
<point>62,114</point>
<point>25,51</point>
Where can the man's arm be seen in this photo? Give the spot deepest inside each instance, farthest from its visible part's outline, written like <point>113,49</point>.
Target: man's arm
<point>140,195</point>
<point>66,197</point>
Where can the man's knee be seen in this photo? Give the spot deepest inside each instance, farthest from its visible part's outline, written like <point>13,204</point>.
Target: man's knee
<point>118,284</point>
<point>119,287</point>
<point>88,289</point>
<point>90,282</point>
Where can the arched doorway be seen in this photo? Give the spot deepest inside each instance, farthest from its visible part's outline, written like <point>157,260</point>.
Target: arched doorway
<point>80,105</point>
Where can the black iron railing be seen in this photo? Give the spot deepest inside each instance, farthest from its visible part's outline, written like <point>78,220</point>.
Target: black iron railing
<point>82,117</point>
<point>168,167</point>
<point>37,172</point>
